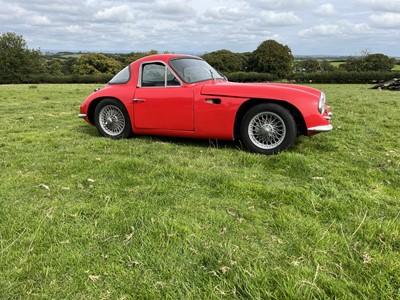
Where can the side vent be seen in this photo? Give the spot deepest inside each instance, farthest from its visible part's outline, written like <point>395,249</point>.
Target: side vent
<point>213,101</point>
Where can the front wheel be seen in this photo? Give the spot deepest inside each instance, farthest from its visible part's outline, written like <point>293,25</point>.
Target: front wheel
<point>268,128</point>
<point>112,119</point>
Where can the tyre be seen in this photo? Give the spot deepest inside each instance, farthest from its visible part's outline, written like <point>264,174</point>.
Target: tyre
<point>268,128</point>
<point>112,119</point>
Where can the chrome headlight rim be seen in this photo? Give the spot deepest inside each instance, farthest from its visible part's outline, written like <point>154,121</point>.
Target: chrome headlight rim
<point>321,103</point>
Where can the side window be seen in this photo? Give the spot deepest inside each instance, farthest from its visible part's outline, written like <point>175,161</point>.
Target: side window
<point>157,74</point>
<point>153,74</point>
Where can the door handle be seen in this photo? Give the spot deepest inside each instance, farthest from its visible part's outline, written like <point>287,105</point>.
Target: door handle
<point>139,100</point>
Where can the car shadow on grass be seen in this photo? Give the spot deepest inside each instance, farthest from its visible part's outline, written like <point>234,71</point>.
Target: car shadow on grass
<point>311,144</point>
<point>200,143</point>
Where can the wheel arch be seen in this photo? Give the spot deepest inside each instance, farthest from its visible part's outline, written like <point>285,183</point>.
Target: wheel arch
<point>298,117</point>
<point>93,105</point>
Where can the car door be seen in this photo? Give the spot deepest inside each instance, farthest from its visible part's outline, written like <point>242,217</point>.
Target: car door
<point>161,101</point>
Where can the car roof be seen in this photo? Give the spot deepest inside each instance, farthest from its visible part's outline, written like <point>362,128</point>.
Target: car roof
<point>164,57</point>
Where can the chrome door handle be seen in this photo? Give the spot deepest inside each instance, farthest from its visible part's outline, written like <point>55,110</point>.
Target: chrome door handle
<point>139,100</point>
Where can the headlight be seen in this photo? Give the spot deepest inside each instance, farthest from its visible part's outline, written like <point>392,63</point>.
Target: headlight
<point>321,104</point>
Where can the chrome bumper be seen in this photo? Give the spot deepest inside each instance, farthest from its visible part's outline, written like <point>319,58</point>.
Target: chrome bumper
<point>82,116</point>
<point>329,116</point>
<point>323,128</point>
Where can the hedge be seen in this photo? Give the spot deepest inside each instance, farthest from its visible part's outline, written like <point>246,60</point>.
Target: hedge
<point>251,77</point>
<point>47,78</point>
<point>344,77</point>
<point>324,77</point>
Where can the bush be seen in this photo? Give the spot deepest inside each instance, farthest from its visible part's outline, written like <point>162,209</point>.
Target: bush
<point>344,77</point>
<point>47,78</point>
<point>250,77</point>
<point>323,77</point>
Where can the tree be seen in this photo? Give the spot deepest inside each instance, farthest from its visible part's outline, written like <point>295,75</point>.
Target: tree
<point>54,67</point>
<point>369,62</point>
<point>352,64</point>
<point>272,57</point>
<point>326,66</point>
<point>16,60</point>
<point>96,64</point>
<point>312,65</point>
<point>309,65</point>
<point>126,59</point>
<point>226,61</point>
<point>379,62</point>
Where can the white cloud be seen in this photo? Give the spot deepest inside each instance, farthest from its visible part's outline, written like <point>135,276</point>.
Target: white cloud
<point>386,20</point>
<point>206,25</point>
<point>382,5</point>
<point>73,28</point>
<point>117,13</point>
<point>279,19</point>
<point>226,13</point>
<point>325,10</point>
<point>172,7</point>
<point>40,20</point>
<point>342,29</point>
<point>321,30</point>
<point>282,4</point>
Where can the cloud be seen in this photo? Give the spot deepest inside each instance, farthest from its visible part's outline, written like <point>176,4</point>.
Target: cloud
<point>226,13</point>
<point>321,30</point>
<point>325,10</point>
<point>40,20</point>
<point>385,6</point>
<point>206,25</point>
<point>174,7</point>
<point>272,18</point>
<point>386,20</point>
<point>117,13</point>
<point>282,4</point>
<point>342,29</point>
<point>73,28</point>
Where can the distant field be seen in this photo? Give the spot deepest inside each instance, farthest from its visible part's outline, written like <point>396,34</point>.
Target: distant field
<point>336,63</point>
<point>84,217</point>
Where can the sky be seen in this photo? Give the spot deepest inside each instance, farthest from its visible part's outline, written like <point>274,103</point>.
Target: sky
<point>308,27</point>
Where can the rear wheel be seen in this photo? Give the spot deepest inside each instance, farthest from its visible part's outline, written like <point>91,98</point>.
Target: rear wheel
<point>268,128</point>
<point>112,119</point>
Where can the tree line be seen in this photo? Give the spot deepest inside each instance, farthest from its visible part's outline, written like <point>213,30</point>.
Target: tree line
<point>270,61</point>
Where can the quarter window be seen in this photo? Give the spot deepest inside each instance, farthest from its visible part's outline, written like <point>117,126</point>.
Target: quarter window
<point>122,77</point>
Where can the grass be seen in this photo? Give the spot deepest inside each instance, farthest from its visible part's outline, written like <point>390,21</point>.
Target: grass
<point>159,218</point>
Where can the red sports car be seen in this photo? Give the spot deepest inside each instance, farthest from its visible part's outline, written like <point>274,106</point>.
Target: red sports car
<point>182,95</point>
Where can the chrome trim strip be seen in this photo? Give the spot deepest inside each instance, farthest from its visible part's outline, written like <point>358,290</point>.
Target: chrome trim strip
<point>82,116</point>
<point>322,128</point>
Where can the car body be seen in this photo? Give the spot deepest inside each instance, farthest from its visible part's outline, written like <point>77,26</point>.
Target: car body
<point>183,96</point>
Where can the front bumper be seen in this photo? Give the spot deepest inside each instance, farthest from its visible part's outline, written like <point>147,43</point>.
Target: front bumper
<point>323,128</point>
<point>82,116</point>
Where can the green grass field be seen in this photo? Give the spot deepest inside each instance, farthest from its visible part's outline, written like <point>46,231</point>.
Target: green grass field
<point>85,217</point>
<point>396,68</point>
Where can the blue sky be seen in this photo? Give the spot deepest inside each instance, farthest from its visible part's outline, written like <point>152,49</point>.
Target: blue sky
<point>308,27</point>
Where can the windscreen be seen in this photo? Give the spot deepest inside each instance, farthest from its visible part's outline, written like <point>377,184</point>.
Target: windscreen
<point>193,70</point>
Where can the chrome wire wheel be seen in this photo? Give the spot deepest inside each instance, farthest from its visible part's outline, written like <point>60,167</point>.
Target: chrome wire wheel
<point>112,120</point>
<point>267,130</point>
